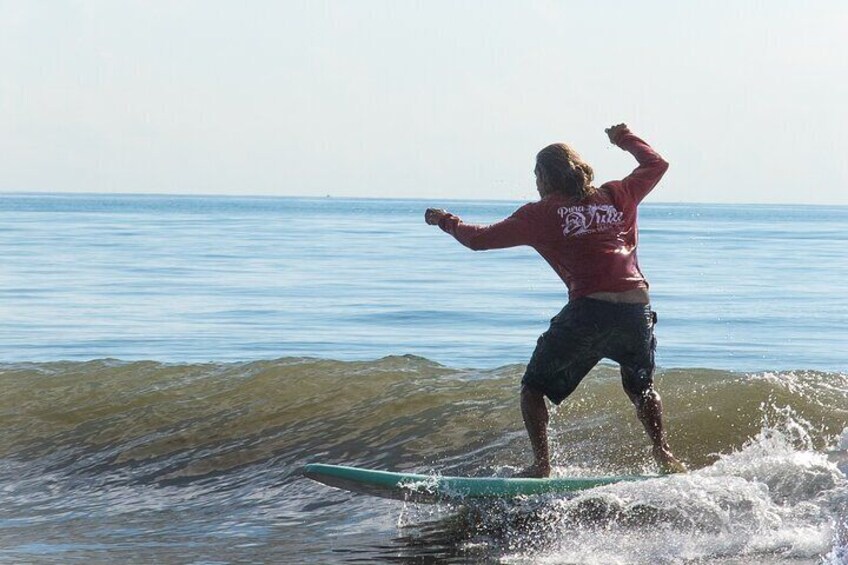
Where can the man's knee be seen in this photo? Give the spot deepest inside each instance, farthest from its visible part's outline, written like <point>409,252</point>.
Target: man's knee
<point>530,394</point>
<point>642,396</point>
<point>638,383</point>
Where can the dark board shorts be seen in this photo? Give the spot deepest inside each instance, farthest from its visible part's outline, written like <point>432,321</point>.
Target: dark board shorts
<point>583,333</point>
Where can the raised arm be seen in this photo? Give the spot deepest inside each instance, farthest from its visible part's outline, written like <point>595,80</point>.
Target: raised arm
<point>511,232</point>
<point>651,166</point>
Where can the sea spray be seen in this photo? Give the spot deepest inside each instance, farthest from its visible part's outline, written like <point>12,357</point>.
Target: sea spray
<point>740,507</point>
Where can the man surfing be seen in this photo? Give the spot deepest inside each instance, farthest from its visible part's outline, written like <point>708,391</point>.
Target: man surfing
<point>588,235</point>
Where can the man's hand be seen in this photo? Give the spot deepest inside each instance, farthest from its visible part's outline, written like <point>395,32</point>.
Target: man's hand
<point>615,132</point>
<point>433,215</point>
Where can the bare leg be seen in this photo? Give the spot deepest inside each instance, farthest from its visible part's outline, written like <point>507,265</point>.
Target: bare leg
<point>649,409</point>
<point>535,413</point>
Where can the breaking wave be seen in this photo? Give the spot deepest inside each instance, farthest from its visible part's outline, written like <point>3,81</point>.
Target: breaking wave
<point>108,438</point>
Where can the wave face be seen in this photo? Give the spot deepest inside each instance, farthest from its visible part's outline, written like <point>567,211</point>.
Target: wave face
<point>109,460</point>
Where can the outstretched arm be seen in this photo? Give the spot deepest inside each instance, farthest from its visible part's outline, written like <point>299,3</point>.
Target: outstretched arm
<point>510,232</point>
<point>651,166</point>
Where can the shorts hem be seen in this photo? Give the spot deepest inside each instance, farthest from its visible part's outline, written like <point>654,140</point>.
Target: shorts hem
<point>556,399</point>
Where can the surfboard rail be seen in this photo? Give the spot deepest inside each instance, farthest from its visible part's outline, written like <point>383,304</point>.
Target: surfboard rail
<point>433,488</point>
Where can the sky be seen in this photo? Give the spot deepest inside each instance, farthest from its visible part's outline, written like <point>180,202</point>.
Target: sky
<point>747,100</point>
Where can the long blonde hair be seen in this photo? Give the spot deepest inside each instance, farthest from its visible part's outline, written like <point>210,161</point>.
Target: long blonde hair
<point>561,169</point>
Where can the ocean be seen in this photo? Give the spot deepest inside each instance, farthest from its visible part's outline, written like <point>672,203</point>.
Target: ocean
<point>167,364</point>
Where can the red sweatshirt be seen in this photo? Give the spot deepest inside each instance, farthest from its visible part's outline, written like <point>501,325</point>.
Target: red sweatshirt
<point>591,244</point>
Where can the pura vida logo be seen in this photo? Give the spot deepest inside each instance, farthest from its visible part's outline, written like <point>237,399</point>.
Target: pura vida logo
<point>581,220</point>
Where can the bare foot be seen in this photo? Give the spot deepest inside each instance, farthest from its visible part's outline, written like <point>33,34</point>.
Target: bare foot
<point>535,471</point>
<point>667,462</point>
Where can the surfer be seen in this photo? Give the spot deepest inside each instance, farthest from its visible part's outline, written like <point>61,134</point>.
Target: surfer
<point>589,236</point>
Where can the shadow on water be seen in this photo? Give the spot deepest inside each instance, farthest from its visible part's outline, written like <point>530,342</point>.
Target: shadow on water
<point>490,531</point>
<point>459,536</point>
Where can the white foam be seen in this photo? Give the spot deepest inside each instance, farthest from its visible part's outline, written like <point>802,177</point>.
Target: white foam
<point>773,499</point>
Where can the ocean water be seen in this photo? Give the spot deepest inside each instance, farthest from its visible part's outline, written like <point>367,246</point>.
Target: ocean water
<point>168,363</point>
<point>181,279</point>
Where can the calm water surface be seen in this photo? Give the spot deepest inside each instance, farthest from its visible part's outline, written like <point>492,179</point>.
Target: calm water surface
<point>197,279</point>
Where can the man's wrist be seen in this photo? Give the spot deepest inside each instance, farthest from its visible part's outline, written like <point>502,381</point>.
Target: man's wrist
<point>445,221</point>
<point>620,136</point>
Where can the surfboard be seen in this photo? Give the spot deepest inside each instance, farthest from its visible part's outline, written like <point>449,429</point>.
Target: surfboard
<point>434,488</point>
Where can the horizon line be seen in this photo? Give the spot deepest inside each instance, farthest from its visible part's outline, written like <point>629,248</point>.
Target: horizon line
<point>344,197</point>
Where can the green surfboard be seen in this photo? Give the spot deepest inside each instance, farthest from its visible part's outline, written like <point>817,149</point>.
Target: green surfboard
<point>434,488</point>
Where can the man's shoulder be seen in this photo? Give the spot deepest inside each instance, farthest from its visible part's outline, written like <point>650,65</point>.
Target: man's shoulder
<point>610,193</point>
<point>610,186</point>
<point>530,209</point>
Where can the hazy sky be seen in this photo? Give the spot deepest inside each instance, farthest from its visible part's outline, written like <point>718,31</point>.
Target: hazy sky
<point>747,100</point>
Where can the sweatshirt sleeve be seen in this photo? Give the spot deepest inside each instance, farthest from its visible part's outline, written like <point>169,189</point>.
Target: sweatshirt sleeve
<point>649,172</point>
<point>511,232</point>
